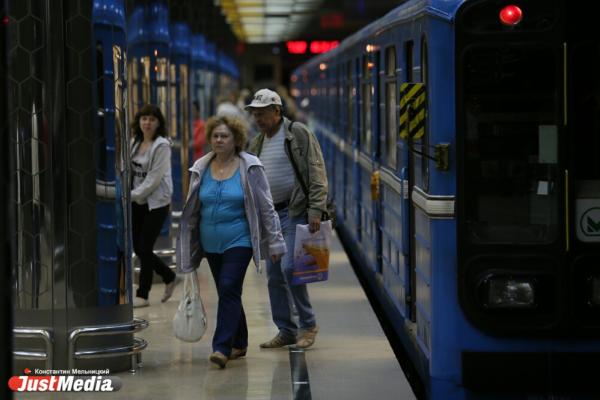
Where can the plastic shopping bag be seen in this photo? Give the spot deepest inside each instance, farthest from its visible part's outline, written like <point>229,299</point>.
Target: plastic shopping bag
<point>311,254</point>
<point>189,322</point>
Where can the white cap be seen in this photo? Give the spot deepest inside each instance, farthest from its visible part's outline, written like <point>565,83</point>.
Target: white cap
<point>264,98</point>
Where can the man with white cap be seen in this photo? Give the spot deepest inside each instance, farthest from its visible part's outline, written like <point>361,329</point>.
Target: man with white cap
<point>280,144</point>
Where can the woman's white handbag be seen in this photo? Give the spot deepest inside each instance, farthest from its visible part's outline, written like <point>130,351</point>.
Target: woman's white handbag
<point>189,322</point>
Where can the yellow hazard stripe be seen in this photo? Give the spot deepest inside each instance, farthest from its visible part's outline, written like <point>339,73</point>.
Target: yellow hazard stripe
<point>413,91</point>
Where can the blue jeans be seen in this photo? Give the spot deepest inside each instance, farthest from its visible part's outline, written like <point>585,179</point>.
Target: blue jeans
<point>228,270</point>
<point>281,291</point>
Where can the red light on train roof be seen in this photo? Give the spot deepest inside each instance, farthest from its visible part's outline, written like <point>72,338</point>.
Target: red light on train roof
<point>511,15</point>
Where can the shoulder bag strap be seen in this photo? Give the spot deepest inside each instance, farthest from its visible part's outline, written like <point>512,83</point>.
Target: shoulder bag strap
<point>296,171</point>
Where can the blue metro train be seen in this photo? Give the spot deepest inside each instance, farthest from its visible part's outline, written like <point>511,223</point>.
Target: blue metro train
<point>461,139</point>
<point>145,59</point>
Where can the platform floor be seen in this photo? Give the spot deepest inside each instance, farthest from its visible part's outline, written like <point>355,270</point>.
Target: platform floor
<point>351,358</point>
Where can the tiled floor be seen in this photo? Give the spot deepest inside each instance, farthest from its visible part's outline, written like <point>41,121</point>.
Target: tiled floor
<point>351,358</point>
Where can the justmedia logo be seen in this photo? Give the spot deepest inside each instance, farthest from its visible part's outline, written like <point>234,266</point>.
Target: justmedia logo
<point>63,383</point>
<point>590,222</point>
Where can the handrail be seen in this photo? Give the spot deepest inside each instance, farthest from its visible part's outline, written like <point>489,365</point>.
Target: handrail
<point>35,333</point>
<point>134,349</point>
<point>138,345</point>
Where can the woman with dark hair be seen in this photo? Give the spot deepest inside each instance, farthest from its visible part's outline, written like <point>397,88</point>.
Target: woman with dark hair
<point>151,192</point>
<point>229,218</point>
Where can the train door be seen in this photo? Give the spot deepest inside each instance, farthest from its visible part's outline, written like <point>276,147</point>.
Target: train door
<point>583,131</point>
<point>413,108</point>
<point>409,175</point>
<point>376,160</point>
<point>366,162</point>
<point>352,216</point>
<point>392,201</point>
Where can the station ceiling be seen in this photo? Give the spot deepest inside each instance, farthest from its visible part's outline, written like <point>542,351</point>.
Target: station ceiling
<point>273,21</point>
<point>228,22</point>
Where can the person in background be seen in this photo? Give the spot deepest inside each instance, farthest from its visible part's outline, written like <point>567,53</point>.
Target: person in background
<point>289,105</point>
<point>151,192</point>
<point>199,132</point>
<point>226,106</point>
<point>229,218</point>
<point>278,135</point>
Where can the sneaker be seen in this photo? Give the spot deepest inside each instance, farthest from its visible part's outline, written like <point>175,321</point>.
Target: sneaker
<point>218,358</point>
<point>169,288</point>
<point>308,338</point>
<point>237,353</point>
<point>140,302</point>
<point>278,341</point>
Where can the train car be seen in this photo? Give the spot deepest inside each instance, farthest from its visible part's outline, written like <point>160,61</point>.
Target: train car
<point>148,44</point>
<point>228,75</point>
<point>180,119</point>
<point>114,263</point>
<point>461,141</point>
<point>199,68</point>
<point>211,78</point>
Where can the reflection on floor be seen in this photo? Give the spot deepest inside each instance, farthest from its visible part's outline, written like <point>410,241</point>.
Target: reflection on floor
<point>351,358</point>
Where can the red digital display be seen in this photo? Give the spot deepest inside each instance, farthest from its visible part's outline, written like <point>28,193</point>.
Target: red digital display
<point>296,46</point>
<point>323,46</point>
<point>316,46</point>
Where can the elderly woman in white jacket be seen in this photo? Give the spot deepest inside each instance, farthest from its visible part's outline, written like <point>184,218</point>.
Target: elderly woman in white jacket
<point>151,191</point>
<point>228,218</point>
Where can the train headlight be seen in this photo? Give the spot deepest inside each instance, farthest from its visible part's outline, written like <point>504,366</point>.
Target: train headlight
<point>509,292</point>
<point>594,292</point>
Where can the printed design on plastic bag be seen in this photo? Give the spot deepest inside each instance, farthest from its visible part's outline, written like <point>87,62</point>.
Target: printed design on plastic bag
<point>311,254</point>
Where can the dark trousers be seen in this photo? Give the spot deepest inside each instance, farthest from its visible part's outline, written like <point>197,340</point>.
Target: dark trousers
<point>146,226</point>
<point>228,270</point>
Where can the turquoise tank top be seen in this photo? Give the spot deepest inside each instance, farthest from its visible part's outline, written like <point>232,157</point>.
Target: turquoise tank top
<point>223,222</point>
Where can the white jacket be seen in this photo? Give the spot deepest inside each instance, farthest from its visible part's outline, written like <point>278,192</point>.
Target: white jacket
<point>265,228</point>
<point>157,186</point>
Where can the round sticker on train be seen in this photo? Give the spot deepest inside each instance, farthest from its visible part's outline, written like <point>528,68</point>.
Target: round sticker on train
<point>589,225</point>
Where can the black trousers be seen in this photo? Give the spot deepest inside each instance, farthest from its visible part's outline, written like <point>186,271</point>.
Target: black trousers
<point>146,226</point>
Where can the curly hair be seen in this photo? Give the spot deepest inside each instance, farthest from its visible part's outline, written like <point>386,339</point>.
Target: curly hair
<point>235,125</point>
<point>149,109</point>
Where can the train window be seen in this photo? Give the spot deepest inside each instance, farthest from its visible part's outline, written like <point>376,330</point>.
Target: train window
<point>118,58</point>
<point>511,148</point>
<point>349,100</point>
<point>341,97</point>
<point>132,94</point>
<point>145,80</point>
<point>408,52</point>
<point>185,123</point>
<point>101,139</point>
<point>161,83</point>
<point>425,139</point>
<point>335,92</point>
<point>366,94</point>
<point>390,107</point>
<point>173,106</point>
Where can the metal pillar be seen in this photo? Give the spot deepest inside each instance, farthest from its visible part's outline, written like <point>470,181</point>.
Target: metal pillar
<point>68,175</point>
